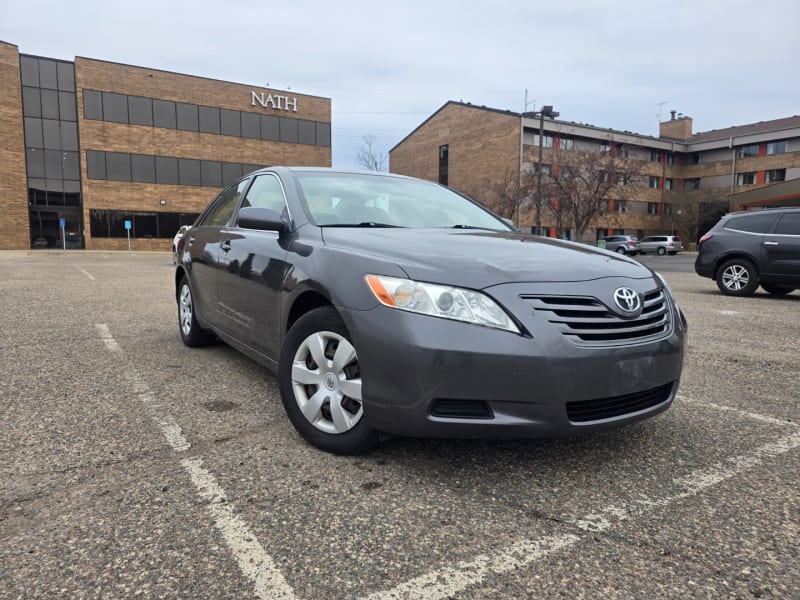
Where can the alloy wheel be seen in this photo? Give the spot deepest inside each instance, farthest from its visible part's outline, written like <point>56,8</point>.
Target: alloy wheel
<point>186,310</point>
<point>735,277</point>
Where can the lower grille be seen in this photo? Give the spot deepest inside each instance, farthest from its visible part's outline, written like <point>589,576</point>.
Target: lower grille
<point>461,409</point>
<point>608,408</point>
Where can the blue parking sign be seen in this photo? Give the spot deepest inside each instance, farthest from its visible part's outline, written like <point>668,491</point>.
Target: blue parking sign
<point>127,224</point>
<point>62,223</point>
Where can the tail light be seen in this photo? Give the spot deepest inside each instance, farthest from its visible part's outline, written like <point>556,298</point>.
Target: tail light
<point>705,238</point>
<point>631,243</point>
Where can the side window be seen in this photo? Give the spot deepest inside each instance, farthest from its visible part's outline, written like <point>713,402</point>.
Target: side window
<point>789,225</point>
<point>751,223</point>
<point>266,192</point>
<point>220,213</point>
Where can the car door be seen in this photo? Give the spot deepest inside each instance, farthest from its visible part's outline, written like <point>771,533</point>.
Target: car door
<point>782,249</point>
<point>203,245</point>
<point>253,269</point>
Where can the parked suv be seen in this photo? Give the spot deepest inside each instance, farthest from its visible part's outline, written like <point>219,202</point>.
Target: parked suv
<point>745,249</point>
<point>661,244</point>
<point>624,244</point>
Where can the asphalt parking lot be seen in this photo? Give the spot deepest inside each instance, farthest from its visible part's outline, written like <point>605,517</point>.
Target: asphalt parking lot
<point>132,466</point>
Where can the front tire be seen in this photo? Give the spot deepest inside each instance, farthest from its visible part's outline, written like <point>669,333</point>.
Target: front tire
<point>662,251</point>
<point>192,334</point>
<point>320,384</point>
<point>737,277</point>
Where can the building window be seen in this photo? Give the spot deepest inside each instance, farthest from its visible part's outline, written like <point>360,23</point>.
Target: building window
<point>111,223</point>
<point>652,208</point>
<point>670,158</point>
<point>566,143</point>
<point>747,151</point>
<point>547,142</point>
<point>694,158</point>
<point>622,179</point>
<point>655,156</point>
<point>603,176</point>
<point>692,184</point>
<point>621,206</point>
<point>541,231</point>
<point>546,169</point>
<point>746,178</point>
<point>605,148</point>
<point>668,209</point>
<point>622,150</point>
<point>444,152</point>
<point>777,147</point>
<point>603,206</point>
<point>669,183</point>
<point>653,182</point>
<point>776,175</point>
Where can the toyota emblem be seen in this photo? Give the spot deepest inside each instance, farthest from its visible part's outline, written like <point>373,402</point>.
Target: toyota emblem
<point>627,299</point>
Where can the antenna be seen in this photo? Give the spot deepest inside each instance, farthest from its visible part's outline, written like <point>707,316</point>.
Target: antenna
<point>660,113</point>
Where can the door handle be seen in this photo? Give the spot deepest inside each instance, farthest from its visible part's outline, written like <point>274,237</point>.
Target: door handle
<point>225,246</point>
<point>771,244</point>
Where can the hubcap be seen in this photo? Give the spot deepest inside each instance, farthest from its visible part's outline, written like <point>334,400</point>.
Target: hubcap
<point>185,309</point>
<point>327,382</point>
<point>735,277</point>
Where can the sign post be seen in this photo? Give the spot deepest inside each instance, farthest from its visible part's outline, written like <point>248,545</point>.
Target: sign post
<point>62,225</point>
<point>128,229</point>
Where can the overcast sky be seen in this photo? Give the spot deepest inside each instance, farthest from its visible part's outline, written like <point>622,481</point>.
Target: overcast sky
<point>389,66</point>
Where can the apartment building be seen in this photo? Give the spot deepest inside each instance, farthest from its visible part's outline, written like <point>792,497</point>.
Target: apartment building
<point>94,152</point>
<point>678,181</point>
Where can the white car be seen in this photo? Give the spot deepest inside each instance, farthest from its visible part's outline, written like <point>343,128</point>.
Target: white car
<point>177,242</point>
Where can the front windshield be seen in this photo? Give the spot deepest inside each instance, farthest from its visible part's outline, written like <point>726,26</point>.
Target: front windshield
<point>362,199</point>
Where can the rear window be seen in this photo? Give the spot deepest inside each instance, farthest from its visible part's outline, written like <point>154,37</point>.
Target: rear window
<point>751,223</point>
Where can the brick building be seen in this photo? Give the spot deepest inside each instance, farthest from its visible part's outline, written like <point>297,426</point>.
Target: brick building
<point>99,146</point>
<point>657,184</point>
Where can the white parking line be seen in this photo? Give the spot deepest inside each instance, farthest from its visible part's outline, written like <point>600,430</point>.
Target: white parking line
<point>85,272</point>
<point>743,413</point>
<point>449,581</point>
<point>251,557</point>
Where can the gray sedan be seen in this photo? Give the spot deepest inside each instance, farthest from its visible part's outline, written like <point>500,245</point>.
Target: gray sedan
<point>387,304</point>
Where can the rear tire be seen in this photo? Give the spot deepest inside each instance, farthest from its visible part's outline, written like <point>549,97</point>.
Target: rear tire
<point>192,334</point>
<point>621,250</point>
<point>320,384</point>
<point>737,277</point>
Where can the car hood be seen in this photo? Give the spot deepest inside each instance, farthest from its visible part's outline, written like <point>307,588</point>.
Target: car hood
<point>479,259</point>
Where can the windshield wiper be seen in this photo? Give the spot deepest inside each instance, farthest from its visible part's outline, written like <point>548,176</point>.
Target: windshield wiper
<point>461,226</point>
<point>362,224</point>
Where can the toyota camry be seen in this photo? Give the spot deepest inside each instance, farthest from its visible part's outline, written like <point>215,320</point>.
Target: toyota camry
<point>391,305</point>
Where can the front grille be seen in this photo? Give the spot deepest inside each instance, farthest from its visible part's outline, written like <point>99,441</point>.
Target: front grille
<point>586,321</point>
<point>461,409</point>
<point>608,408</point>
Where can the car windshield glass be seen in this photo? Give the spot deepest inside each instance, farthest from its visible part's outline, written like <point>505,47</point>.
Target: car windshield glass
<point>362,199</point>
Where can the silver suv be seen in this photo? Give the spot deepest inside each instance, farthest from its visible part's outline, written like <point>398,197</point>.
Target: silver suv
<point>661,244</point>
<point>624,244</point>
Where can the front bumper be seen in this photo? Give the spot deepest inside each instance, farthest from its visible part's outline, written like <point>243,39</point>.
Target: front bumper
<point>429,377</point>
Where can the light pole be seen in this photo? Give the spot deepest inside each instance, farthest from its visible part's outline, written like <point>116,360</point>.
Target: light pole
<point>522,116</point>
<point>547,111</point>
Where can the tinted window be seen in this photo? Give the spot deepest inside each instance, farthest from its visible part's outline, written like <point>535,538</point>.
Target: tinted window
<point>164,114</point>
<point>31,102</point>
<point>52,134</point>
<point>307,132</point>
<point>266,192</point>
<point>751,223</point>
<point>66,106</point>
<point>70,165</point>
<point>189,171</point>
<point>270,127</point>
<point>187,116</point>
<point>789,224</point>
<point>48,76</point>
<point>66,77</point>
<point>29,68</point>
<point>35,162</point>
<point>118,166</point>
<point>288,130</point>
<point>167,170</point>
<point>324,134</point>
<point>141,110</point>
<point>92,104</point>
<point>143,168</point>
<point>33,132</point>
<point>211,173</point>
<point>209,119</point>
<point>69,135</point>
<point>115,107</point>
<point>231,123</point>
<point>231,172</point>
<point>222,209</point>
<point>95,164</point>
<point>50,104</point>
<point>251,125</point>
<point>52,165</point>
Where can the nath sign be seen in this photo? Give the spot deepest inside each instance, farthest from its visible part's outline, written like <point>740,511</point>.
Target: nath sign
<point>274,101</point>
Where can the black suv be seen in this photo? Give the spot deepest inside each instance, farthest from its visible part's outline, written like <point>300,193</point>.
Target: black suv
<point>745,249</point>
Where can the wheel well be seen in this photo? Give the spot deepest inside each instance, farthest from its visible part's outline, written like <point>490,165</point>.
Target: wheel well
<point>725,259</point>
<point>305,302</point>
<point>178,276</point>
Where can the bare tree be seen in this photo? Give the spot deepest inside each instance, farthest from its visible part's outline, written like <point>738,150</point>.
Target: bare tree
<point>506,195</point>
<point>370,157</point>
<point>581,185</point>
<point>694,211</point>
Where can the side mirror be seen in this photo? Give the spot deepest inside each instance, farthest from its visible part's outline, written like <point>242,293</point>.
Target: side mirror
<point>264,219</point>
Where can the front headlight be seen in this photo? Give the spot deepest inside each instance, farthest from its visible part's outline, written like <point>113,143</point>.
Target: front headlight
<point>443,301</point>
